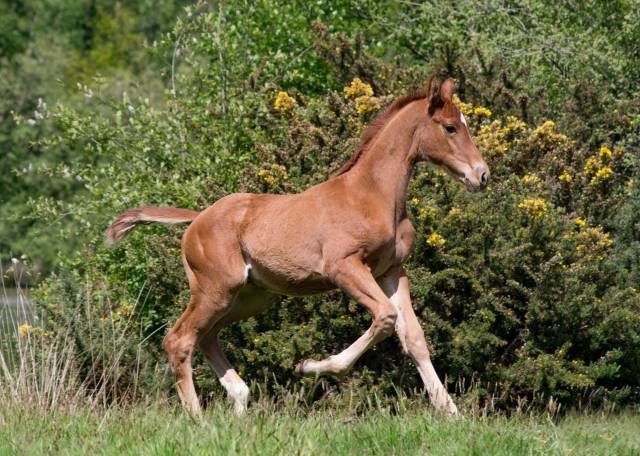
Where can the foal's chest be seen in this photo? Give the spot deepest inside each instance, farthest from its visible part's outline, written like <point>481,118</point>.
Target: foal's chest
<point>393,250</point>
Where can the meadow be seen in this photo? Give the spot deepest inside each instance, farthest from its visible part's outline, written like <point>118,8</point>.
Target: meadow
<point>268,429</point>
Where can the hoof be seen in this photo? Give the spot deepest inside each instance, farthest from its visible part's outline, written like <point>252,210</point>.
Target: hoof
<point>299,369</point>
<point>449,411</point>
<point>453,414</point>
<point>193,413</point>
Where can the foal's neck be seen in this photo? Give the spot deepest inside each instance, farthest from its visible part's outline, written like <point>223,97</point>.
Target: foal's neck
<point>385,168</point>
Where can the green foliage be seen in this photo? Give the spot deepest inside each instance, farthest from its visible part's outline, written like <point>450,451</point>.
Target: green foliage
<point>47,49</point>
<point>527,291</point>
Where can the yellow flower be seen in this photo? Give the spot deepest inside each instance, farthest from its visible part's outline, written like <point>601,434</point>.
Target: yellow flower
<point>273,175</point>
<point>580,222</point>
<point>602,175</point>
<point>546,125</point>
<point>25,329</point>
<point>126,311</point>
<point>565,177</point>
<point>454,211</point>
<point>426,212</point>
<point>545,137</point>
<point>284,103</point>
<point>492,139</point>
<point>590,166</point>
<point>514,125</point>
<point>595,170</point>
<point>605,152</point>
<point>481,111</point>
<point>414,201</point>
<point>534,207</point>
<point>366,103</point>
<point>593,242</point>
<point>465,108</point>
<point>531,179</point>
<point>356,89</point>
<point>436,240</point>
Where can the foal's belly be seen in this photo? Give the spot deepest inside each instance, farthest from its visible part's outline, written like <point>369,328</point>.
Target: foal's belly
<point>295,280</point>
<point>290,281</point>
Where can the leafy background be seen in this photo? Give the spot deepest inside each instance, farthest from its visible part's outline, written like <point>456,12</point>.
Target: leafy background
<point>527,292</point>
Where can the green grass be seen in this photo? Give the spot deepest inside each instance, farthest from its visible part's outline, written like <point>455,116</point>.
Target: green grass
<point>266,430</point>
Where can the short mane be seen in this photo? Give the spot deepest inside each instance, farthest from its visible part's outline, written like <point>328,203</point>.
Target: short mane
<point>378,124</point>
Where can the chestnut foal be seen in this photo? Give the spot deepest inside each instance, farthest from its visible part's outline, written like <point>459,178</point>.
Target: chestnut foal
<point>351,232</point>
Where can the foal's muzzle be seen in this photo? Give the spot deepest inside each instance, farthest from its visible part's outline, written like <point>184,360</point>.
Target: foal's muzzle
<point>478,179</point>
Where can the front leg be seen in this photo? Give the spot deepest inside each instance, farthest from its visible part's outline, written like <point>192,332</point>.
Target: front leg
<point>355,278</point>
<point>396,286</point>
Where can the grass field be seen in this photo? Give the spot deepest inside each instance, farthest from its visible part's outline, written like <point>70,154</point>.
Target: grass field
<point>162,429</point>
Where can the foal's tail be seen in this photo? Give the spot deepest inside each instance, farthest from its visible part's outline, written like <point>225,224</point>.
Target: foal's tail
<point>126,221</point>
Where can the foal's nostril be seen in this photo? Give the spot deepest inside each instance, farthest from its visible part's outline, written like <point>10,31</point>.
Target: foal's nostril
<point>484,179</point>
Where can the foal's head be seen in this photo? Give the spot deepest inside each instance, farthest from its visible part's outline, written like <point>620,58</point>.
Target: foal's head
<point>445,139</point>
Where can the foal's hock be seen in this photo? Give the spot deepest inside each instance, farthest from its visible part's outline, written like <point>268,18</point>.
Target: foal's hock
<point>351,232</point>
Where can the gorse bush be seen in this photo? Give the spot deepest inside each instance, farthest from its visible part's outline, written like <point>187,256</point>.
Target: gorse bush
<point>527,291</point>
<point>499,278</point>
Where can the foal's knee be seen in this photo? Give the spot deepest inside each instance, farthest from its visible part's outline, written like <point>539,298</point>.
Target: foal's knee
<point>385,322</point>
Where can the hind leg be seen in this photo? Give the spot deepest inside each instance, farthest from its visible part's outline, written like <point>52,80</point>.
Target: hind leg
<point>236,388</point>
<point>213,287</point>
<point>180,342</point>
<point>248,302</point>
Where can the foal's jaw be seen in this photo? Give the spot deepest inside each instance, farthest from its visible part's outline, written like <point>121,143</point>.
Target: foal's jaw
<point>461,160</point>
<point>475,179</point>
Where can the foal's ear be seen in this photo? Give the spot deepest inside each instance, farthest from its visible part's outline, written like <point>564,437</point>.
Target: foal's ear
<point>439,92</point>
<point>447,89</point>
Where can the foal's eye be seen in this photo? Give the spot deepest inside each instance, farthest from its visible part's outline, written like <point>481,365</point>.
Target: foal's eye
<point>450,129</point>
